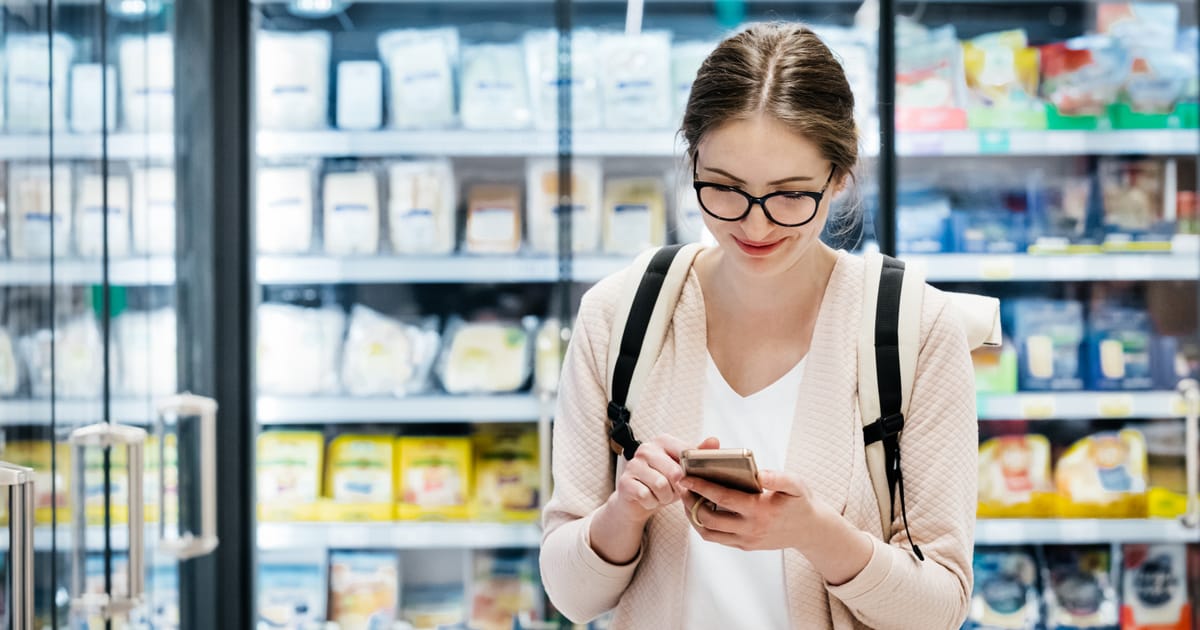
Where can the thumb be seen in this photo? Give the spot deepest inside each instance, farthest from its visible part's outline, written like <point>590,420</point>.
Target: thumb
<point>710,443</point>
<point>777,481</point>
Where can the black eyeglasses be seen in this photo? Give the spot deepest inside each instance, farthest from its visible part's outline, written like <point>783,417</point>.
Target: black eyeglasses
<point>786,208</point>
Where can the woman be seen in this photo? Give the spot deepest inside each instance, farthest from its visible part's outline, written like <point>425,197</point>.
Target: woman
<point>761,354</point>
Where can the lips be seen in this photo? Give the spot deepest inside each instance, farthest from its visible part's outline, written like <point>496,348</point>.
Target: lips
<point>757,249</point>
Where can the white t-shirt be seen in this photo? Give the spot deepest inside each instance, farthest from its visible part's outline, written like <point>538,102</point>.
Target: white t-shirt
<point>727,587</point>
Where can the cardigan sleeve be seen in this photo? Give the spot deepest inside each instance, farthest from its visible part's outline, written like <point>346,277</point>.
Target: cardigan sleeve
<point>579,582</point>
<point>939,449</point>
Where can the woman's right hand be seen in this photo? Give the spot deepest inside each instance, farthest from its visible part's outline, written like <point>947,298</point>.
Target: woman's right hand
<point>650,480</point>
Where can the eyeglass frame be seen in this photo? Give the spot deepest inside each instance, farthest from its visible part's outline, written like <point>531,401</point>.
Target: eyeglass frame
<point>818,196</point>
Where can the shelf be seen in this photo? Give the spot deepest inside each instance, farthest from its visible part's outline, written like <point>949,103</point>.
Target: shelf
<point>330,270</point>
<point>397,535</point>
<point>1016,142</point>
<point>1079,405</point>
<point>433,408</point>
<point>26,412</point>
<point>44,540</point>
<point>1095,267</point>
<point>1082,531</point>
<point>158,271</point>
<point>121,146</point>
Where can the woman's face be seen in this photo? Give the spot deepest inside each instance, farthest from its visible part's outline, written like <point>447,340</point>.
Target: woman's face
<point>760,156</point>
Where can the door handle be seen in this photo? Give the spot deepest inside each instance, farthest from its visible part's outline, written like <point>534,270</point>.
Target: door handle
<point>186,544</point>
<point>19,481</point>
<point>1189,389</point>
<point>104,436</point>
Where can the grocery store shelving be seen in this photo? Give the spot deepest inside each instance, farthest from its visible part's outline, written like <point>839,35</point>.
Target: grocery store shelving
<point>1038,267</point>
<point>44,538</point>
<point>1082,531</point>
<point>1020,142</point>
<point>332,270</point>
<point>37,412</point>
<point>157,271</point>
<point>429,408</point>
<point>1079,405</point>
<point>397,535</point>
<point>121,146</point>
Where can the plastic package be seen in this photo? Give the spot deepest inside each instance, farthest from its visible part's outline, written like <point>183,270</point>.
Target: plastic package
<point>689,217</point>
<point>87,83</point>
<point>542,187</point>
<point>91,213</point>
<point>1014,476</point>
<point>434,477</point>
<point>1188,45</point>
<point>147,66</point>
<point>493,219</point>
<point>1133,194</point>
<point>486,357</point>
<point>1119,348</point>
<point>299,349</point>
<point>31,98</point>
<point>293,80</point>
<point>359,95</point>
<point>853,48</point>
<point>1079,588</point>
<point>1139,25</point>
<point>1005,594</point>
<point>289,465</point>
<point>995,369</point>
<point>686,59</point>
<point>507,476</point>
<point>541,58</point>
<point>1104,475</point>
<point>78,359</point>
<point>364,589</point>
<point>989,231</point>
<point>1154,588</point>
<point>154,210</point>
<point>30,205</point>
<point>351,213</point>
<point>434,605</point>
<point>1049,334</point>
<point>291,589</point>
<point>1059,212</point>
<point>421,207</point>
<point>361,469</point>
<point>548,356</point>
<point>635,215</point>
<point>636,80</point>
<point>495,91</point>
<point>505,588</point>
<point>1001,70</point>
<point>10,370</point>
<point>1082,76</point>
<point>929,73</point>
<point>147,352</point>
<point>923,227</point>
<point>420,65</point>
<point>285,209</point>
<point>384,356</point>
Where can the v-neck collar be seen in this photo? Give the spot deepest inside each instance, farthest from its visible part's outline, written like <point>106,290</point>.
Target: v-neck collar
<point>714,374</point>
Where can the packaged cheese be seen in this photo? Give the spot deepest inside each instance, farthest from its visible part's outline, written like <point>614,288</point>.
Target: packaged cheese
<point>434,477</point>
<point>289,466</point>
<point>542,181</point>
<point>493,219</point>
<point>351,213</point>
<point>636,80</point>
<point>37,88</point>
<point>507,476</point>
<point>359,95</point>
<point>1005,594</point>
<point>95,205</point>
<point>33,204</point>
<point>364,589</point>
<point>494,89</point>
<point>147,352</point>
<point>505,589</point>
<point>147,64</point>
<point>1104,475</point>
<point>284,209</point>
<point>154,210</point>
<point>421,207</point>
<point>686,59</point>
<point>87,84</point>
<point>486,357</point>
<point>293,80</point>
<point>384,356</point>
<point>292,589</point>
<point>298,349</point>
<point>1079,588</point>
<point>541,58</point>
<point>78,368</point>
<point>1154,588</point>
<point>635,215</point>
<point>420,66</point>
<point>361,469</point>
<point>1014,477</point>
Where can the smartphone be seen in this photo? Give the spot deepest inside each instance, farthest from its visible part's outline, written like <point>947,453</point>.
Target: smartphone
<point>729,467</point>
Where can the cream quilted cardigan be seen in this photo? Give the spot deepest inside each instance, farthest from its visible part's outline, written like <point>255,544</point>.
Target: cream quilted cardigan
<point>940,446</point>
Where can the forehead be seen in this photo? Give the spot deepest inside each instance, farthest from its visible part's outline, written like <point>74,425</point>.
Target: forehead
<point>761,148</point>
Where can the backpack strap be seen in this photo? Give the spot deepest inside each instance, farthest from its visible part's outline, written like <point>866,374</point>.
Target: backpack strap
<point>642,316</point>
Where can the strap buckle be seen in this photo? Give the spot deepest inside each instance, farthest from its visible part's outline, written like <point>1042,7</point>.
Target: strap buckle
<point>883,428</point>
<point>620,434</point>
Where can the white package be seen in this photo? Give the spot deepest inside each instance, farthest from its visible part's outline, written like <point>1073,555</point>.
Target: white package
<point>635,214</point>
<point>91,213</point>
<point>148,82</point>
<point>542,203</point>
<point>78,368</point>
<point>495,93</point>
<point>384,356</point>
<point>487,357</point>
<point>10,375</point>
<point>298,349</point>
<point>686,59</point>
<point>636,82</point>
<point>421,205</point>
<point>420,66</point>
<point>87,84</point>
<point>541,59</point>
<point>852,48</point>
<point>285,209</point>
<point>154,210</point>
<point>27,60</point>
<point>293,80</point>
<point>359,95</point>
<point>351,213</point>
<point>147,352</point>
<point>33,204</point>
<point>689,217</point>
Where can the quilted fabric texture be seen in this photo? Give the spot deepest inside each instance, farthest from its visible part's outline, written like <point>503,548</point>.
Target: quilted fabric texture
<point>939,446</point>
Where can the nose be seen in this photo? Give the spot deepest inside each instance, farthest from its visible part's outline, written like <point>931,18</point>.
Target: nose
<point>756,225</point>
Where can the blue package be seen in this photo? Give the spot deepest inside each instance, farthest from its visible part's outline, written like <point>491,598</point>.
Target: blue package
<point>923,223</point>
<point>989,232</point>
<point>291,589</point>
<point>1049,334</point>
<point>1006,591</point>
<point>1118,348</point>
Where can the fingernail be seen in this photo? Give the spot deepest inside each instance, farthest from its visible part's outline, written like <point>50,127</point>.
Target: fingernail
<point>685,484</point>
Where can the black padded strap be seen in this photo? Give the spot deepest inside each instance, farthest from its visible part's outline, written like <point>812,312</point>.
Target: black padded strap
<point>632,339</point>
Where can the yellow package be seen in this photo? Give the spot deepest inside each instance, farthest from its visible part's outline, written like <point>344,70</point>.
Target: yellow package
<point>118,485</point>
<point>1001,69</point>
<point>1014,477</point>
<point>635,215</point>
<point>433,477</point>
<point>360,479</point>
<point>507,475</point>
<point>1104,476</point>
<point>49,477</point>
<point>169,475</point>
<point>289,474</point>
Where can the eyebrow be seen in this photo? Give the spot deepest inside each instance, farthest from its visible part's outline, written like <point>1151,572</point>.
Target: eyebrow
<point>786,180</point>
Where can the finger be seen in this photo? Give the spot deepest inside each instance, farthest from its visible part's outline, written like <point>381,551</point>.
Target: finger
<point>710,442</point>
<point>720,520</point>
<point>673,446</point>
<point>662,463</point>
<point>727,498</point>
<point>723,538</point>
<point>637,493</point>
<point>787,483</point>
<point>660,486</point>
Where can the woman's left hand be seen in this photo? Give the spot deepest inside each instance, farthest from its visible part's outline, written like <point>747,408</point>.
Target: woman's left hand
<point>785,515</point>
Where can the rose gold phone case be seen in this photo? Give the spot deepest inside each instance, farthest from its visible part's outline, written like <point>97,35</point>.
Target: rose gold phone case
<point>729,467</point>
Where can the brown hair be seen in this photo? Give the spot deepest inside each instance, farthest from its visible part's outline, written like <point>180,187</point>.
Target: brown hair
<point>784,70</point>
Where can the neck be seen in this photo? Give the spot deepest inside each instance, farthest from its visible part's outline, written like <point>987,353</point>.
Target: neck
<point>798,289</point>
